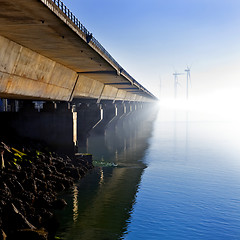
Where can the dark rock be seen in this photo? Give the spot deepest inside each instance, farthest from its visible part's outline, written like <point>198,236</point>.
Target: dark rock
<point>30,185</point>
<point>81,157</point>
<point>21,176</point>
<point>53,169</point>
<point>41,185</point>
<point>40,174</point>
<point>10,184</point>
<point>10,175</point>
<point>67,182</point>
<point>42,157</point>
<point>15,186</point>
<point>3,235</point>
<point>4,190</point>
<point>26,164</point>
<point>47,170</point>
<point>60,174</point>
<point>29,209</point>
<point>48,161</point>
<point>27,196</point>
<point>81,171</point>
<point>16,166</point>
<point>13,219</point>
<point>2,203</point>
<point>59,204</point>
<point>69,165</point>
<point>28,192</point>
<point>42,201</point>
<point>46,215</point>
<point>35,219</point>
<point>30,173</point>
<point>59,187</point>
<point>72,172</point>
<point>59,163</point>
<point>58,183</point>
<point>51,225</point>
<point>18,203</point>
<point>30,234</point>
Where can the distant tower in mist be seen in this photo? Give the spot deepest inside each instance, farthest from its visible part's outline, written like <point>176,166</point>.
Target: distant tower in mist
<point>160,87</point>
<point>176,83</point>
<point>188,80</point>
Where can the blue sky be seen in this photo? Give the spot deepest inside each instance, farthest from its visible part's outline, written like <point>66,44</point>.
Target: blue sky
<point>153,38</point>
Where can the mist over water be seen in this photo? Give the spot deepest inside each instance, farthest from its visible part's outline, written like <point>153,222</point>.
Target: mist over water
<point>171,178</point>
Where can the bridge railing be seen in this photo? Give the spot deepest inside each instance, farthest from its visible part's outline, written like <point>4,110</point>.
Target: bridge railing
<point>93,40</point>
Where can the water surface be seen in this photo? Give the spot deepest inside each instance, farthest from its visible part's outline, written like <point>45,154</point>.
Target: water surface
<point>173,180</point>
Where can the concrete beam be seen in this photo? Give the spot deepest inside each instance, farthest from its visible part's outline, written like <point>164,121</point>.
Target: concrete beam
<point>45,51</point>
<point>27,74</point>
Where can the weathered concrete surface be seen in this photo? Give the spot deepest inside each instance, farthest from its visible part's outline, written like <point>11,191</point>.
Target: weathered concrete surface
<point>24,73</point>
<point>42,52</point>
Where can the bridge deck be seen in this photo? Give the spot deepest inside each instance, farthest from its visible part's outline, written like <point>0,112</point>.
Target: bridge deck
<point>41,35</point>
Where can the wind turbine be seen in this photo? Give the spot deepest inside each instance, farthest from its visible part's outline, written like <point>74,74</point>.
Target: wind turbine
<point>176,83</point>
<point>188,79</point>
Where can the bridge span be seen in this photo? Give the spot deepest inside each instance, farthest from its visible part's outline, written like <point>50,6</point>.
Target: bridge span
<point>47,54</point>
<point>57,82</point>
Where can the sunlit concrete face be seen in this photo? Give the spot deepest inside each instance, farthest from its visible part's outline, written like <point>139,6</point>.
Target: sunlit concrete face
<point>45,55</point>
<point>25,73</point>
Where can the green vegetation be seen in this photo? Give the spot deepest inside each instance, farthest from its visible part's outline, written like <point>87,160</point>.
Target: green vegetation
<point>104,164</point>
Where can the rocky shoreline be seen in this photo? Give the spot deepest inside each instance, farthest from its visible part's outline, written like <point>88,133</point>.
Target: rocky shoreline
<point>30,179</point>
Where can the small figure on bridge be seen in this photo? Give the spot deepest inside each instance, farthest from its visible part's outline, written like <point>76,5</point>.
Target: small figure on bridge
<point>89,37</point>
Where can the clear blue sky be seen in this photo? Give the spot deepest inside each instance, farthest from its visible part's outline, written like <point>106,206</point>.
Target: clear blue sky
<point>151,39</point>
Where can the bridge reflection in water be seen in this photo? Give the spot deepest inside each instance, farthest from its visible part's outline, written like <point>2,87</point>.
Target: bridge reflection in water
<point>100,205</point>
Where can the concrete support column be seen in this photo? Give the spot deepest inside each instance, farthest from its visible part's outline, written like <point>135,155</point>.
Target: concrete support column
<point>57,127</point>
<point>109,113</point>
<point>121,108</point>
<point>116,115</point>
<point>136,109</point>
<point>127,109</point>
<point>89,114</point>
<point>9,105</point>
<point>3,105</point>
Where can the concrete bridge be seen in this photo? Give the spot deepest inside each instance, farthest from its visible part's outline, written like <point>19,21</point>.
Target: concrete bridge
<point>48,56</point>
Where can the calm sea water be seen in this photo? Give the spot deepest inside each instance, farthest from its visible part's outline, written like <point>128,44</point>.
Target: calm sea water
<point>162,179</point>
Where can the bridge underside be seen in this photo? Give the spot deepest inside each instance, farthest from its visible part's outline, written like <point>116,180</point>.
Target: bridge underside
<point>44,56</point>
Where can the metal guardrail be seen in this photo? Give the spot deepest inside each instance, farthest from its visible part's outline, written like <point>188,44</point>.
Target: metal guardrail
<point>94,41</point>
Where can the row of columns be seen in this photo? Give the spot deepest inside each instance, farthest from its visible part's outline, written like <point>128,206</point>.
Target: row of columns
<point>63,124</point>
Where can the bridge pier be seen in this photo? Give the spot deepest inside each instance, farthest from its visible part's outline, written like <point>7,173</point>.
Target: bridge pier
<point>66,126</point>
<point>95,118</point>
<point>109,113</point>
<point>89,115</point>
<point>55,124</point>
